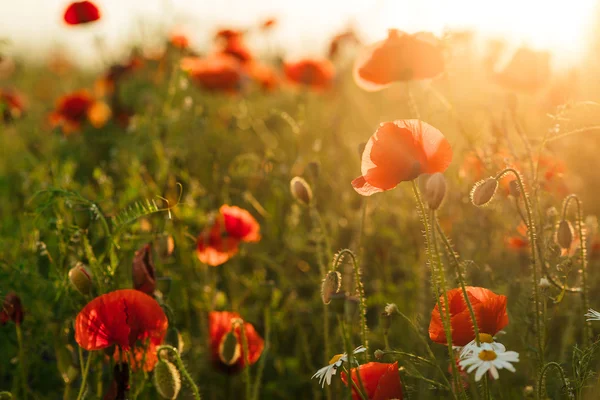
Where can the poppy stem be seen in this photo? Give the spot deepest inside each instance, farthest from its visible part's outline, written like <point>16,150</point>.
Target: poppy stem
<point>180,367</point>
<point>350,353</point>
<point>588,334</point>
<point>84,376</point>
<point>486,388</point>
<point>541,384</point>
<point>461,280</point>
<point>431,250</point>
<point>261,363</point>
<point>533,244</point>
<point>21,360</point>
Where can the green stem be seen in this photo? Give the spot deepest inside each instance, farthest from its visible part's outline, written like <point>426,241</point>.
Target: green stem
<point>486,388</point>
<point>588,334</point>
<point>22,361</point>
<point>461,280</point>
<point>84,377</point>
<point>247,379</point>
<point>261,363</point>
<point>429,238</point>
<point>541,389</point>
<point>180,367</point>
<point>354,385</point>
<point>532,243</point>
<point>350,353</point>
<point>410,355</point>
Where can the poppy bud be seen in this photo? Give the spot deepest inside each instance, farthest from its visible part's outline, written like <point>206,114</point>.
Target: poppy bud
<point>167,380</point>
<point>229,349</point>
<point>514,189</point>
<point>80,277</point>
<point>564,234</point>
<point>12,310</point>
<point>143,270</point>
<point>435,190</point>
<point>301,190</point>
<point>331,285</point>
<point>484,191</point>
<point>378,354</point>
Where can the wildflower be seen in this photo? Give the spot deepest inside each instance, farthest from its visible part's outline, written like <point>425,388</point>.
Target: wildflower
<point>483,191</point>
<point>80,277</point>
<point>11,309</point>
<point>179,40</point>
<point>391,309</point>
<point>527,71</point>
<point>592,315</point>
<point>489,309</point>
<point>518,242</point>
<point>143,270</point>
<point>380,381</point>
<point>314,74</point>
<point>400,57</point>
<point>12,105</point>
<point>81,12</point>
<point>486,342</point>
<point>341,39</point>
<point>227,349</point>
<point>483,360</point>
<point>236,47</point>
<point>76,108</point>
<point>401,151</point>
<point>324,374</point>
<point>265,76</point>
<point>127,318</point>
<point>219,241</point>
<point>216,72</point>
<point>544,283</point>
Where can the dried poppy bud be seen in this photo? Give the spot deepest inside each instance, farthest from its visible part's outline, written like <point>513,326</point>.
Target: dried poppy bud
<point>301,190</point>
<point>167,379</point>
<point>331,285</point>
<point>514,189</point>
<point>11,310</point>
<point>435,190</point>
<point>143,270</point>
<point>484,191</point>
<point>80,277</point>
<point>564,234</point>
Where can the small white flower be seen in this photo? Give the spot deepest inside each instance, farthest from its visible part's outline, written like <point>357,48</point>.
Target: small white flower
<point>484,359</point>
<point>592,315</point>
<point>486,342</point>
<point>325,373</point>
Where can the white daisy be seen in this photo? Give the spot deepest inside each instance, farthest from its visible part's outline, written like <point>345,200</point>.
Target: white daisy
<point>592,315</point>
<point>484,360</point>
<point>486,342</point>
<point>325,373</point>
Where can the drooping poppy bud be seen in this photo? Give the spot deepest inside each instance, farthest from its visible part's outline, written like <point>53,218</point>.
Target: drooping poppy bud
<point>483,191</point>
<point>301,190</point>
<point>167,379</point>
<point>435,190</point>
<point>80,277</point>
<point>143,270</point>
<point>564,234</point>
<point>11,310</point>
<point>331,285</point>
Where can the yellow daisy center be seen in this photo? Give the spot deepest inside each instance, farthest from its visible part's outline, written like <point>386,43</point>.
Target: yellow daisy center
<point>486,338</point>
<point>487,355</point>
<point>335,359</point>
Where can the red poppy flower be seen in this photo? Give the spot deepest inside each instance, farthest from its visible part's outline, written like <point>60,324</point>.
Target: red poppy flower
<point>179,40</point>
<point>263,74</point>
<point>341,39</point>
<point>227,350</point>
<point>227,34</point>
<point>74,109</point>
<point>216,72</point>
<point>236,47</point>
<point>11,309</point>
<point>316,74</point>
<point>381,381</point>
<point>400,57</point>
<point>128,319</point>
<point>401,151</point>
<point>527,71</point>
<point>143,270</point>
<point>268,24</point>
<point>81,12</point>
<point>489,309</point>
<point>520,241</point>
<point>12,105</point>
<point>219,241</point>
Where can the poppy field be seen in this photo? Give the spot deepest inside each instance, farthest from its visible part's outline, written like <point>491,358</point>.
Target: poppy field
<point>409,218</point>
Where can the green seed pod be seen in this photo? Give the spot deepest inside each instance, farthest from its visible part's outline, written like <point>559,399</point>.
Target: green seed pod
<point>80,277</point>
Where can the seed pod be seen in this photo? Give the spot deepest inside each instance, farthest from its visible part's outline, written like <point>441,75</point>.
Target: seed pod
<point>167,380</point>
<point>331,285</point>
<point>484,191</point>
<point>80,277</point>
<point>301,190</point>
<point>143,270</point>
<point>564,234</point>
<point>435,190</point>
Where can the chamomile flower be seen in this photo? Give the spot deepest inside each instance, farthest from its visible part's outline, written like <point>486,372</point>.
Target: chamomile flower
<point>486,342</point>
<point>325,373</point>
<point>592,315</point>
<point>482,361</point>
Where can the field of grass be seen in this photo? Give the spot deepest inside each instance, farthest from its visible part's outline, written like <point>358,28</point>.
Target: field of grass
<point>78,203</point>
